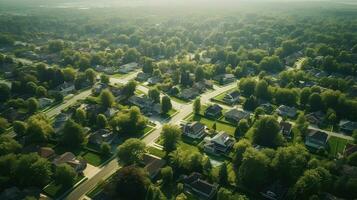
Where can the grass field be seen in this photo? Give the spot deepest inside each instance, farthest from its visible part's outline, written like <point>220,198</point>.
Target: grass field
<point>156,152</point>
<point>94,159</point>
<point>336,145</point>
<point>53,190</point>
<point>220,126</point>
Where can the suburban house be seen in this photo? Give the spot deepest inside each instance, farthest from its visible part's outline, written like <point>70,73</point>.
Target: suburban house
<point>316,139</point>
<point>194,130</point>
<point>285,128</point>
<point>60,121</point>
<point>128,67</point>
<point>44,102</point>
<point>348,126</point>
<point>145,104</point>
<point>110,112</point>
<point>203,85</point>
<point>224,78</point>
<point>231,97</point>
<point>275,191</point>
<point>66,88</point>
<point>286,111</point>
<point>188,93</point>
<point>154,80</point>
<point>235,115</point>
<point>315,118</point>
<point>70,159</point>
<point>153,164</point>
<point>349,149</point>
<point>46,152</point>
<point>219,144</point>
<point>100,136</point>
<point>141,76</point>
<point>97,89</point>
<point>196,185</point>
<point>267,107</point>
<point>214,111</point>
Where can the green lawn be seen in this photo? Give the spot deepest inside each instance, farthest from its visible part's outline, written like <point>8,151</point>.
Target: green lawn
<point>156,152</point>
<point>171,113</point>
<point>94,159</point>
<point>178,100</point>
<point>53,190</point>
<point>220,126</point>
<point>336,145</point>
<point>119,75</point>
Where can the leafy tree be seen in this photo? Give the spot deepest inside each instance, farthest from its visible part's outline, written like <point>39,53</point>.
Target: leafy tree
<point>242,128</point>
<point>154,94</point>
<point>131,151</point>
<point>266,132</point>
<point>166,105</point>
<point>41,91</point>
<point>129,88</point>
<point>80,116</point>
<point>301,124</point>
<point>129,183</point>
<point>312,182</point>
<point>261,90</point>
<point>290,162</point>
<point>4,124</point>
<point>69,74</point>
<point>239,149</point>
<point>105,149</point>
<point>55,46</point>
<point>65,175</point>
<point>223,174</point>
<point>315,102</point>
<point>247,86</point>
<point>32,170</point>
<point>197,106</point>
<point>199,74</point>
<point>170,135</point>
<point>253,172</point>
<point>225,194</point>
<point>354,135</point>
<point>304,96</point>
<point>352,159</point>
<point>5,92</point>
<point>38,129</point>
<point>285,96</point>
<point>129,121</point>
<point>166,175</point>
<point>8,145</point>
<point>106,98</point>
<point>102,121</point>
<point>271,64</point>
<point>148,65</point>
<point>250,103</point>
<point>73,134</point>
<point>19,127</point>
<point>131,55</point>
<point>91,76</point>
<point>104,79</point>
<point>32,105</point>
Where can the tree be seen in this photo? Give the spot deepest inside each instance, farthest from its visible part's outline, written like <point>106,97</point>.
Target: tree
<point>4,124</point>
<point>5,92</point>
<point>170,135</point>
<point>105,149</point>
<point>106,98</point>
<point>223,174</point>
<point>129,183</point>
<point>266,132</point>
<point>250,103</point>
<point>8,145</point>
<point>225,194</point>
<point>73,134</point>
<point>69,74</point>
<point>32,105</point>
<point>199,74</point>
<point>247,86</point>
<point>148,65</point>
<point>131,151</point>
<point>239,149</point>
<point>166,105</point>
<point>312,182</point>
<point>315,102</point>
<point>19,127</point>
<point>91,76</point>
<point>65,175</point>
<point>271,64</point>
<point>32,170</point>
<point>102,121</point>
<point>166,175</point>
<point>104,79</point>
<point>301,124</point>
<point>129,88</point>
<point>129,121</point>
<point>131,55</point>
<point>261,90</point>
<point>253,172</point>
<point>80,116</point>
<point>352,159</point>
<point>38,129</point>
<point>197,106</point>
<point>290,162</point>
<point>41,91</point>
<point>354,135</point>
<point>304,96</point>
<point>154,94</point>
<point>55,46</point>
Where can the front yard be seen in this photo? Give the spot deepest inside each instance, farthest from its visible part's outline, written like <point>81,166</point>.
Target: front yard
<point>220,125</point>
<point>336,145</point>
